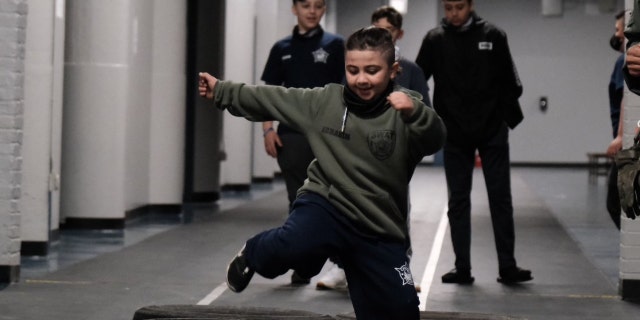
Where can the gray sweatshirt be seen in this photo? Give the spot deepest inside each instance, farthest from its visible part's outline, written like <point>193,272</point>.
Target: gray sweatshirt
<point>363,164</point>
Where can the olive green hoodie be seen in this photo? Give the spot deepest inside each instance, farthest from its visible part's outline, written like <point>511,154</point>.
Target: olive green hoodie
<point>363,161</point>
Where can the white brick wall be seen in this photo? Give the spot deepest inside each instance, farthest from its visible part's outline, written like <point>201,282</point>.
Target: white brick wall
<point>630,247</point>
<point>630,229</point>
<point>13,15</point>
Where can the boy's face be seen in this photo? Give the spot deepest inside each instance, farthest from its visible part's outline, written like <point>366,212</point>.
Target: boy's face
<point>396,34</point>
<point>309,13</point>
<point>368,73</point>
<point>457,12</point>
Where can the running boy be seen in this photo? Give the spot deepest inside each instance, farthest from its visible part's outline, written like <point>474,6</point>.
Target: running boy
<point>368,138</point>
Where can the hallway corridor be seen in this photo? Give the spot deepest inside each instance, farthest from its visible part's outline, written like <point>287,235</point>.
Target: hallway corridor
<point>563,234</point>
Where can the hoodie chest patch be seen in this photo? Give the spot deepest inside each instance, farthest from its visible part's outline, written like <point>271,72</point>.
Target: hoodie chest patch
<point>382,143</point>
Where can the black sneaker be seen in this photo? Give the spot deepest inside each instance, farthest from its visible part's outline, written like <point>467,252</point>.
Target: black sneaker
<point>514,275</point>
<point>297,279</point>
<point>238,272</point>
<point>458,276</point>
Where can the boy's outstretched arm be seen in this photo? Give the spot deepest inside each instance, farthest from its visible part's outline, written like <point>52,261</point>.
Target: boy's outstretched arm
<point>206,84</point>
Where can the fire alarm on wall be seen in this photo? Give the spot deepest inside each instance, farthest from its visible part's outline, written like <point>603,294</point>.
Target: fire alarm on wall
<point>544,104</point>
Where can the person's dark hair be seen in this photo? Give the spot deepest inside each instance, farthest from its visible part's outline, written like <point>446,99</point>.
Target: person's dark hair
<point>469,1</point>
<point>375,39</point>
<point>620,14</point>
<point>294,1</point>
<point>393,16</point>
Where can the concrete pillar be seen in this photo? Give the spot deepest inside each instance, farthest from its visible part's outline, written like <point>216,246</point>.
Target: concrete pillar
<point>138,107</point>
<point>95,109</point>
<point>13,21</point>
<point>168,96</point>
<point>107,107</point>
<point>44,54</point>
<point>238,66</point>
<point>274,21</point>
<point>58,38</point>
<point>203,122</point>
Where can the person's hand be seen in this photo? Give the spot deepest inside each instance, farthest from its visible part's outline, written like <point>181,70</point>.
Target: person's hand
<point>206,84</point>
<point>614,146</point>
<point>272,142</point>
<point>633,60</point>
<point>401,102</point>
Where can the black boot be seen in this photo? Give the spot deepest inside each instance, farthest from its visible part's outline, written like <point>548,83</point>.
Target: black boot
<point>458,276</point>
<point>514,275</point>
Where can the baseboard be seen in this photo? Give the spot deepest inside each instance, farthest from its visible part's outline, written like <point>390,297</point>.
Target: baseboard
<point>154,208</point>
<point>119,223</point>
<point>552,164</point>
<point>630,289</point>
<point>262,179</point>
<point>54,235</point>
<point>34,248</point>
<point>238,187</point>
<point>202,197</point>
<point>93,223</point>
<point>9,274</point>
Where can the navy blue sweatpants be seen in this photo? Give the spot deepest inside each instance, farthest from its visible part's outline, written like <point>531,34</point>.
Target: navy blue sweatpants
<point>380,282</point>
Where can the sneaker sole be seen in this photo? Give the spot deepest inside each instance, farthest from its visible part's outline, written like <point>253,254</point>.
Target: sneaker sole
<point>232,288</point>
<point>229,285</point>
<point>322,286</point>
<point>466,281</point>
<point>513,281</point>
<point>460,283</point>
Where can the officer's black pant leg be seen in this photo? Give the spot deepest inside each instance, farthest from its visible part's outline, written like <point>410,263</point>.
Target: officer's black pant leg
<point>458,166</point>
<point>293,159</point>
<point>497,174</point>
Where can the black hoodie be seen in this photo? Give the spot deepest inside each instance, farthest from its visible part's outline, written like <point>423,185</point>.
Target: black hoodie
<point>476,85</point>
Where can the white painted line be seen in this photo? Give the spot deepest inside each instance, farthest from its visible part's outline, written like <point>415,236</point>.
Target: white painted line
<point>213,295</point>
<point>430,269</point>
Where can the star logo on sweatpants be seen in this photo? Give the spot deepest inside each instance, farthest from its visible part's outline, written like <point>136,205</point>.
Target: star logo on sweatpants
<point>405,274</point>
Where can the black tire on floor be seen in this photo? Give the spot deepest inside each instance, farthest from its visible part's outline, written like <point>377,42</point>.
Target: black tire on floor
<point>434,315</point>
<point>222,313</point>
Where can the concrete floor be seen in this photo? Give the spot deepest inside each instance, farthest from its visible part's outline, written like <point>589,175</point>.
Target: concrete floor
<point>563,234</point>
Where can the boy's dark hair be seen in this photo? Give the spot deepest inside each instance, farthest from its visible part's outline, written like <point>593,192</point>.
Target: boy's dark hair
<point>393,16</point>
<point>469,1</point>
<point>294,1</point>
<point>375,39</point>
<point>620,14</point>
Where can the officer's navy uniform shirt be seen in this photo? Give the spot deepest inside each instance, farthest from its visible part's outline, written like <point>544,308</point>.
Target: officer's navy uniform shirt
<point>313,59</point>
